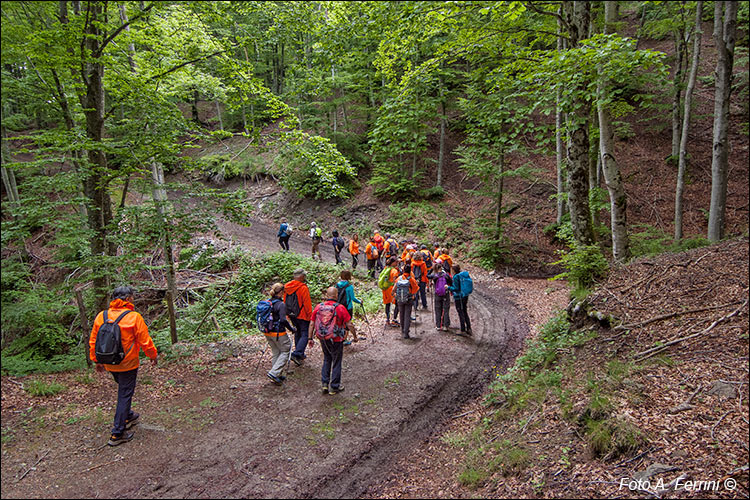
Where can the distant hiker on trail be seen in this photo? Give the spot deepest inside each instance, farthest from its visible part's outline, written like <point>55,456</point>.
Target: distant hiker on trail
<point>404,291</point>
<point>419,270</point>
<point>427,256</point>
<point>441,281</point>
<point>380,245</point>
<point>316,235</point>
<point>285,231</point>
<point>447,261</point>
<point>273,323</point>
<point>462,288</point>
<point>299,310</point>
<point>347,299</point>
<point>354,250</point>
<point>390,247</point>
<point>338,245</point>
<point>115,348</point>
<point>386,279</point>
<point>372,254</point>
<point>331,322</point>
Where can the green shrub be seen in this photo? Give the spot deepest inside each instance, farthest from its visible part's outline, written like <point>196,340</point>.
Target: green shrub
<point>40,388</point>
<point>584,265</point>
<point>219,168</point>
<point>651,241</point>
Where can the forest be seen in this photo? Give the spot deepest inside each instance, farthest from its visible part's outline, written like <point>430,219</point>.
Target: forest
<point>586,162</point>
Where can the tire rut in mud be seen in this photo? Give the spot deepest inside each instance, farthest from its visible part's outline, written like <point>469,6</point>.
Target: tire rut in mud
<point>498,343</point>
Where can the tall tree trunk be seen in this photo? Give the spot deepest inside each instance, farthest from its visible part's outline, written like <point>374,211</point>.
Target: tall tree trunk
<point>9,177</point>
<point>218,114</point>
<point>559,147</point>
<point>335,105</point>
<point>441,153</point>
<point>194,107</point>
<point>86,330</point>
<point>499,195</point>
<point>577,14</point>
<point>160,198</point>
<point>725,27</point>
<point>677,95</point>
<point>682,161</point>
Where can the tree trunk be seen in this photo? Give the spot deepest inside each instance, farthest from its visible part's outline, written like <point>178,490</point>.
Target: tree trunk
<point>194,107</point>
<point>218,114</point>
<point>577,14</point>
<point>725,26</point>
<point>682,161</point>
<point>441,153</point>
<point>677,96</point>
<point>85,325</point>
<point>499,201</point>
<point>559,152</point>
<point>160,198</point>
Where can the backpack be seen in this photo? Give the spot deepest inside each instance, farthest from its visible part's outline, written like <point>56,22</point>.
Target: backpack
<point>342,295</point>
<point>392,247</point>
<point>325,322</point>
<point>108,346</point>
<point>338,242</point>
<point>417,271</point>
<point>402,290</point>
<point>288,230</point>
<point>440,283</point>
<point>284,230</point>
<point>427,259</point>
<point>374,252</point>
<point>379,243</point>
<point>384,280</point>
<point>446,267</point>
<point>467,286</point>
<point>264,316</point>
<point>292,305</point>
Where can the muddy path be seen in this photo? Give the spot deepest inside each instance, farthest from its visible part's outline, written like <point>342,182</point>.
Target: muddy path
<point>236,435</point>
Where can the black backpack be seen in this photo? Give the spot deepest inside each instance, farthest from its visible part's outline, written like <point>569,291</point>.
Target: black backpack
<point>342,294</point>
<point>292,305</point>
<point>108,348</point>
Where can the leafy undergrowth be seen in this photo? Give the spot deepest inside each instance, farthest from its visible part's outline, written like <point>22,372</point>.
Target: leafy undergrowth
<point>588,408</point>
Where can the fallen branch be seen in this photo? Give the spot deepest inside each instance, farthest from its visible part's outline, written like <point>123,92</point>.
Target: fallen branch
<point>672,315</point>
<point>718,422</point>
<point>118,459</point>
<point>229,285</point>
<point>655,350</point>
<point>33,466</point>
<point>463,414</point>
<point>685,405</point>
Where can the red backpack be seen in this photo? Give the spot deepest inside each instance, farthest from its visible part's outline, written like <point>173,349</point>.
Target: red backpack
<point>325,323</point>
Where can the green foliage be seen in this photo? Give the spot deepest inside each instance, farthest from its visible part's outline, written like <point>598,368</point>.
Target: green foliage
<point>38,387</point>
<point>311,166</point>
<point>650,241</point>
<point>584,265</point>
<point>220,168</point>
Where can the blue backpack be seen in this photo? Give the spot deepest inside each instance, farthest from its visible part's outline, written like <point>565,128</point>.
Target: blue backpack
<point>467,286</point>
<point>264,316</point>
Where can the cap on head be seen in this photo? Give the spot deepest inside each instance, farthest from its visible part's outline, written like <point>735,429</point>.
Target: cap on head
<point>299,273</point>
<point>122,292</point>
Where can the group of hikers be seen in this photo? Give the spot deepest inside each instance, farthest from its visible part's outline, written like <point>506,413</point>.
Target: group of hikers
<point>120,333</point>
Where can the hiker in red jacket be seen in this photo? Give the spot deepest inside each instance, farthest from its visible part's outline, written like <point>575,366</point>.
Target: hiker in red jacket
<point>331,322</point>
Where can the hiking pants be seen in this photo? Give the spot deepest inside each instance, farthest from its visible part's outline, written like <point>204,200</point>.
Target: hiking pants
<point>355,261</point>
<point>284,242</point>
<point>337,254</point>
<point>405,312</point>
<point>371,267</point>
<point>125,389</point>
<point>300,337</point>
<point>388,312</point>
<point>379,264</point>
<point>463,312</point>
<point>280,348</point>
<point>443,311</point>
<point>333,354</point>
<point>316,250</point>
<point>423,294</point>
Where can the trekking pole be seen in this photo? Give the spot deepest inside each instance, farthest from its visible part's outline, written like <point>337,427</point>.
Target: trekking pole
<point>369,330</point>
<point>259,359</point>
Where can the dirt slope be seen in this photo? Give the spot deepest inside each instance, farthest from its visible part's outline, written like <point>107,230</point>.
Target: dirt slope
<point>211,427</point>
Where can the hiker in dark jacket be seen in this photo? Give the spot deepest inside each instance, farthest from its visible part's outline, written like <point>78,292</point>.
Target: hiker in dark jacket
<point>440,283</point>
<point>284,234</point>
<point>338,245</point>
<point>277,337</point>
<point>461,297</point>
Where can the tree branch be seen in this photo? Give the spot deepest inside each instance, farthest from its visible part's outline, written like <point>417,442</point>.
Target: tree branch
<point>116,32</point>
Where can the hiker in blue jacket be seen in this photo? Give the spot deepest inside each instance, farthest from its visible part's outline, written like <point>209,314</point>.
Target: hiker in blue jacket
<point>347,299</point>
<point>461,288</point>
<point>284,234</point>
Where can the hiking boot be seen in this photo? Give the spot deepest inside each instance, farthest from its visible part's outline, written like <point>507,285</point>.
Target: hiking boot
<point>337,390</point>
<point>276,380</point>
<point>297,361</point>
<point>406,337</point>
<point>115,440</point>
<point>469,332</point>
<point>347,342</point>
<point>282,377</point>
<point>324,389</point>
<point>130,422</point>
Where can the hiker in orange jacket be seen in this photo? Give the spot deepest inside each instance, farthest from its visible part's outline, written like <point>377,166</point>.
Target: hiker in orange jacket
<point>134,337</point>
<point>301,320</point>
<point>354,250</point>
<point>404,290</point>
<point>388,298</point>
<point>419,270</point>
<point>380,245</point>
<point>372,254</point>
<point>447,261</point>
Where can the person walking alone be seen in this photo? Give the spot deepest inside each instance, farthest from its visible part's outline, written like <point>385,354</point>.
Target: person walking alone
<point>338,245</point>
<point>316,235</point>
<point>276,336</point>
<point>285,231</point>
<point>133,337</point>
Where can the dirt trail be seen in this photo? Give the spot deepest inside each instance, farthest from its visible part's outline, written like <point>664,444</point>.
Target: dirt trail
<point>261,440</point>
